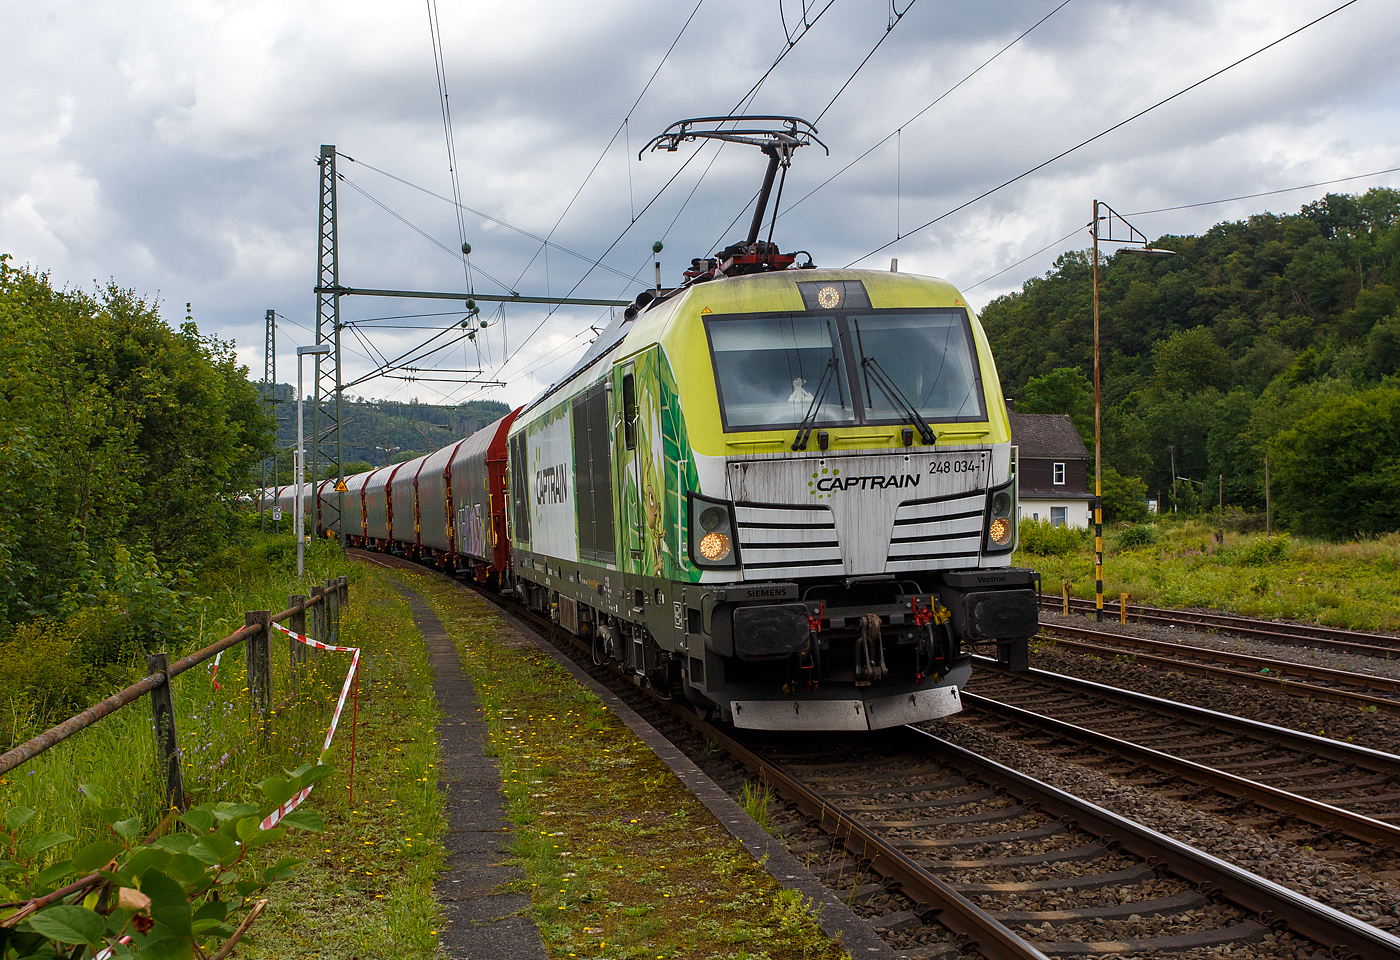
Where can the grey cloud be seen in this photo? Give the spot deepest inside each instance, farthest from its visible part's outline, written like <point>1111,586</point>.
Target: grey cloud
<point>171,147</point>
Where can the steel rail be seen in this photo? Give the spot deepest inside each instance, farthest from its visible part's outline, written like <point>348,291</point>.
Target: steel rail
<point>1355,825</point>
<point>960,915</point>
<point>1229,656</point>
<point>1297,634</point>
<point>1376,761</point>
<point>1271,901</point>
<point>62,731</point>
<point>1279,683</point>
<point>1274,904</point>
<point>992,938</point>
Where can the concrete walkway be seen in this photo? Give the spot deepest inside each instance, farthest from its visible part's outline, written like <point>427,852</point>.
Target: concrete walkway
<point>479,923</point>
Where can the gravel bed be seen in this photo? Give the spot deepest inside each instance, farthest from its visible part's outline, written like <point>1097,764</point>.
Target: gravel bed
<point>1335,884</point>
<point>1340,722</point>
<point>979,828</point>
<point>1201,637</point>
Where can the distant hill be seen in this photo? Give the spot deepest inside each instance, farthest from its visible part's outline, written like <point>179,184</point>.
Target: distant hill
<point>1241,345</point>
<point>380,432</point>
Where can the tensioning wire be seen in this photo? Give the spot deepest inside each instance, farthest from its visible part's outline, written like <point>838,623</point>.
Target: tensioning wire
<point>927,108</point>
<point>1189,206</point>
<point>749,94</point>
<point>479,213</point>
<point>621,128</point>
<point>1104,133</point>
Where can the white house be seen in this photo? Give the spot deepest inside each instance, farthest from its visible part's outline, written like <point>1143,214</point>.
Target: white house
<point>1052,469</point>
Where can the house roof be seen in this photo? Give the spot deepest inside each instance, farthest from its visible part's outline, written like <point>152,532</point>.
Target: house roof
<point>1046,436</point>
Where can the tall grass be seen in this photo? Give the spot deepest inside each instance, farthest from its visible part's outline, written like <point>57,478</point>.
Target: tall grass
<point>1353,585</point>
<point>225,749</point>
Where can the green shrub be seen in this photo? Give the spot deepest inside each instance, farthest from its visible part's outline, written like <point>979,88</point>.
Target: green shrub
<point>1139,535</point>
<point>43,672</point>
<point>173,895</point>
<point>1042,539</point>
<point>1260,551</point>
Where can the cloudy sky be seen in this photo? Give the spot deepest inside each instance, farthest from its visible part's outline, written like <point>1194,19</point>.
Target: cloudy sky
<point>171,146</point>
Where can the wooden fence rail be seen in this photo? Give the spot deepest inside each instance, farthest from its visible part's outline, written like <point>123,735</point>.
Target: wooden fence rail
<point>324,604</point>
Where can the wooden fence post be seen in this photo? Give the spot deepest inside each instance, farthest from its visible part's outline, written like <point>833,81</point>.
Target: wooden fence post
<point>259,657</point>
<point>296,650</point>
<point>316,624</point>
<point>167,743</point>
<point>1065,587</point>
<point>333,611</point>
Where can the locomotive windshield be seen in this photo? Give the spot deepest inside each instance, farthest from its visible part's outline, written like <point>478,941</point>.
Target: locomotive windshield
<point>768,369</point>
<point>857,367</point>
<point>928,357</point>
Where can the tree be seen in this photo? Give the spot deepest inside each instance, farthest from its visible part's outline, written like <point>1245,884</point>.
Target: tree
<point>1189,361</point>
<point>1337,471</point>
<point>118,431</point>
<point>1062,390</point>
<point>1124,498</point>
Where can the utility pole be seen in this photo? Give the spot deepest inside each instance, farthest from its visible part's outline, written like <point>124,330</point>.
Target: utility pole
<point>1098,444</point>
<point>1144,247</point>
<point>327,379</point>
<point>1268,507</point>
<point>1221,538</point>
<point>1173,451</point>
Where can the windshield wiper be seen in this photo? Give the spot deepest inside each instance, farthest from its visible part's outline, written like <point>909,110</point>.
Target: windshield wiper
<point>804,429</point>
<point>897,398</point>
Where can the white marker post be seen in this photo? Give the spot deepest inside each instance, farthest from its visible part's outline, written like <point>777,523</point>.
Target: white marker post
<point>299,508</point>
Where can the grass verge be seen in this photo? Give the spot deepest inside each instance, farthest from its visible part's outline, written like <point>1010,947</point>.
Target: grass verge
<point>1350,585</point>
<point>365,889</point>
<point>621,861</point>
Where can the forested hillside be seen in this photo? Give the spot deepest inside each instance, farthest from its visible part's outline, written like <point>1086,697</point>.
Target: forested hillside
<point>1276,335</point>
<point>376,432</point>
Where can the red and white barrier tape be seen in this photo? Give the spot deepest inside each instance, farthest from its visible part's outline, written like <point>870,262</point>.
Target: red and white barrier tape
<point>272,818</point>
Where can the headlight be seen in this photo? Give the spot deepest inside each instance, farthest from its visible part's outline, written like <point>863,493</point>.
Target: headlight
<point>1001,519</point>
<point>712,533</point>
<point>714,546</point>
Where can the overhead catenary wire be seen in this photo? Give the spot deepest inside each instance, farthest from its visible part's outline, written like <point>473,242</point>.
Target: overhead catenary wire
<point>1190,206</point>
<point>751,92</point>
<point>419,230</point>
<point>621,128</point>
<point>1266,193</point>
<point>889,28</point>
<point>485,216</point>
<point>1032,256</point>
<point>440,68</point>
<point>1120,124</point>
<point>936,100</point>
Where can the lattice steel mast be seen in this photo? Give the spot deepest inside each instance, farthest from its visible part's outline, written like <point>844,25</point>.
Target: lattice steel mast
<point>327,380</point>
<point>269,393</point>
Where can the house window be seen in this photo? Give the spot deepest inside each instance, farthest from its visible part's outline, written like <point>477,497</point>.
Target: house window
<point>1059,474</point>
<point>1057,514</point>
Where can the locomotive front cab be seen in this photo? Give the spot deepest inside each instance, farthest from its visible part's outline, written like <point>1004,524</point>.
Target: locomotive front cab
<point>854,514</point>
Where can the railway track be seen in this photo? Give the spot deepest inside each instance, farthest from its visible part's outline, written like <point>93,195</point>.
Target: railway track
<point>943,850</point>
<point>1342,789</point>
<point>1322,683</point>
<point>1277,631</point>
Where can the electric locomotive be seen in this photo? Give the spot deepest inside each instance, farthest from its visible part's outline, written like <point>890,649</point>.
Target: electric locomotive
<point>785,493</point>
